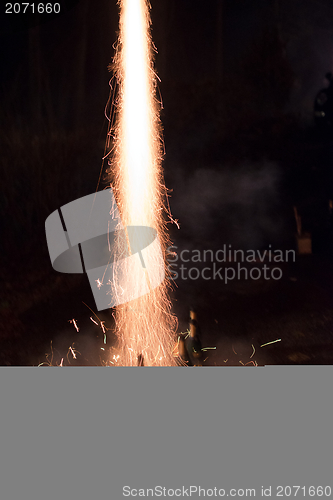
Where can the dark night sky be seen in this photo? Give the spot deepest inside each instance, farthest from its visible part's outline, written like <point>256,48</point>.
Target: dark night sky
<point>185,32</point>
<point>227,68</point>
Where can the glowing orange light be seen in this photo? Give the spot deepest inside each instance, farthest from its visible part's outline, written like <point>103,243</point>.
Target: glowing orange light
<point>145,327</point>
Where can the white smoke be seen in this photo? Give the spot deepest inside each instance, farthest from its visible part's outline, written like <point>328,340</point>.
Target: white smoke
<point>236,205</point>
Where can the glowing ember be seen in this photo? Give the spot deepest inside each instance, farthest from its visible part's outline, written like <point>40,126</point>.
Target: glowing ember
<point>272,342</point>
<point>145,327</point>
<point>74,324</point>
<point>73,352</point>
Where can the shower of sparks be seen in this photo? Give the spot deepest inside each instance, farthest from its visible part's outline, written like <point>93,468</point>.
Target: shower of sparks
<point>101,324</point>
<point>253,351</point>
<point>273,342</point>
<point>50,357</point>
<point>145,326</point>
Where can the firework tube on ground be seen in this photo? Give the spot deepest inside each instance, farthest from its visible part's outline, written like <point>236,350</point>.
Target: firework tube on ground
<point>192,342</point>
<point>140,360</point>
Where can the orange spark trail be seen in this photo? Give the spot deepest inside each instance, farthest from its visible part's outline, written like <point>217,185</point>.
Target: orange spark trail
<point>145,326</point>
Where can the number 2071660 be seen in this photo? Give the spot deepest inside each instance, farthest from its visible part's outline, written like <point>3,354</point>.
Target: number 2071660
<point>38,8</point>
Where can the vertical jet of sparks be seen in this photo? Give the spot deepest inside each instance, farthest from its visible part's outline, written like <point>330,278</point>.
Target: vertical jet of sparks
<point>145,326</point>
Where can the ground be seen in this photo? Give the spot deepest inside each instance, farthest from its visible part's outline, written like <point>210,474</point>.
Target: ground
<point>37,304</point>
<point>235,318</point>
